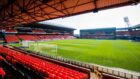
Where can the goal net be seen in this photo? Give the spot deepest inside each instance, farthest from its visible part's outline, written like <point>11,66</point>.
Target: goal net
<point>50,49</point>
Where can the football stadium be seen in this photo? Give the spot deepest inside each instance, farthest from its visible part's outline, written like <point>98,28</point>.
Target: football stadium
<point>30,49</point>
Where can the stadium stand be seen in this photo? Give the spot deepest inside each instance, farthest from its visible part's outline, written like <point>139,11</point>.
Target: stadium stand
<point>52,70</point>
<point>44,37</point>
<point>11,38</point>
<point>39,10</point>
<point>27,37</point>
<point>136,32</point>
<point>131,33</point>
<point>122,33</point>
<point>102,33</point>
<point>32,33</point>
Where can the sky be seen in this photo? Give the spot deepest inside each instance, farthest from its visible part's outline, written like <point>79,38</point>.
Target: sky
<point>102,19</point>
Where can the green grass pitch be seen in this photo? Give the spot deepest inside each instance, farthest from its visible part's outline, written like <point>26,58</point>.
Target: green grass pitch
<point>113,53</point>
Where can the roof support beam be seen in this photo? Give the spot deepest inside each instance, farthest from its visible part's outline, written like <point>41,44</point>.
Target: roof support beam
<point>55,8</point>
<point>95,10</point>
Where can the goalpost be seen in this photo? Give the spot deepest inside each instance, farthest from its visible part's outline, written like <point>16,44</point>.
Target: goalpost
<point>43,48</point>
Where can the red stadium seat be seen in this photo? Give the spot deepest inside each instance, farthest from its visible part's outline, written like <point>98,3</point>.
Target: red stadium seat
<point>11,38</point>
<point>53,70</point>
<point>2,72</point>
<point>1,58</point>
<point>27,37</point>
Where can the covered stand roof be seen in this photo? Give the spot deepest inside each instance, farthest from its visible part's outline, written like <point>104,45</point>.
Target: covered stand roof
<point>45,26</point>
<point>17,12</point>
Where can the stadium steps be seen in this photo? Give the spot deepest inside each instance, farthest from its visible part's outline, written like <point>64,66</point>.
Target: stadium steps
<point>94,76</point>
<point>109,76</point>
<point>28,72</point>
<point>11,72</point>
<point>17,69</point>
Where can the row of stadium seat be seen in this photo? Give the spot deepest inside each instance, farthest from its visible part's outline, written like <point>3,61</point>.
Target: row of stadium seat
<point>98,37</point>
<point>136,33</point>
<point>11,38</point>
<point>123,33</point>
<point>15,38</point>
<point>54,71</point>
<point>27,37</point>
<point>54,37</point>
